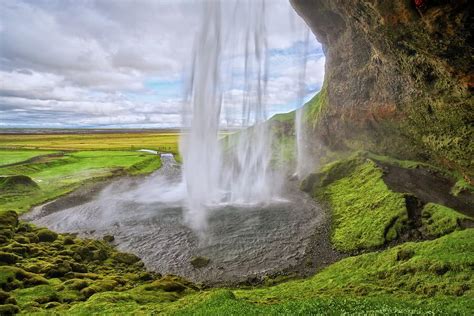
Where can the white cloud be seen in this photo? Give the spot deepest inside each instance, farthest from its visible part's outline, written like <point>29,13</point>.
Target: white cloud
<point>90,62</point>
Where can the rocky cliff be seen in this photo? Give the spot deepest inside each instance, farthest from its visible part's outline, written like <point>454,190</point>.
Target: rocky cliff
<point>399,77</point>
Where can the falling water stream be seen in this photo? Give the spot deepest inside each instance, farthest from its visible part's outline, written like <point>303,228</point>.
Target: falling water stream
<point>244,177</point>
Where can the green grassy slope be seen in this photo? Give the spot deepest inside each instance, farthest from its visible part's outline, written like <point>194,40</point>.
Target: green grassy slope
<point>14,156</point>
<point>59,175</point>
<point>366,213</point>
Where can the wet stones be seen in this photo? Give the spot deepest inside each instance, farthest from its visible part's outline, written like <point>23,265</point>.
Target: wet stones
<point>108,238</point>
<point>126,258</point>
<point>199,262</point>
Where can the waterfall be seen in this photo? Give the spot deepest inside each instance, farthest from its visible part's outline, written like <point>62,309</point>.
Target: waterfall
<point>244,176</point>
<point>302,165</point>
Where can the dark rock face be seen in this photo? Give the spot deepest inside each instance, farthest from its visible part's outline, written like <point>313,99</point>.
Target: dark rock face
<point>399,78</point>
<point>200,262</point>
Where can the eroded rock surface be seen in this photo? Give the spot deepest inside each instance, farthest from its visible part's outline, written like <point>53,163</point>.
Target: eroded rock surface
<point>398,78</point>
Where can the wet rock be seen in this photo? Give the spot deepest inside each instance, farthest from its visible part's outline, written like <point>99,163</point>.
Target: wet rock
<point>199,262</point>
<point>126,258</point>
<point>108,238</point>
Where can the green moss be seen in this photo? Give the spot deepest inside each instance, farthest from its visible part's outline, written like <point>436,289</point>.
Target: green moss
<point>8,219</point>
<point>45,235</point>
<point>316,107</point>
<point>126,258</point>
<point>439,220</point>
<point>366,213</point>
<point>17,183</point>
<point>8,258</point>
<point>9,309</point>
<point>462,186</point>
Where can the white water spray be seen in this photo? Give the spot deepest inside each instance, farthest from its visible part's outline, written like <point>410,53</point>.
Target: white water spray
<point>245,176</point>
<point>302,165</point>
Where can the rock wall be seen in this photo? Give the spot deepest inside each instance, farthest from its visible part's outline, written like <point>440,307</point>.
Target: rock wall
<point>399,77</point>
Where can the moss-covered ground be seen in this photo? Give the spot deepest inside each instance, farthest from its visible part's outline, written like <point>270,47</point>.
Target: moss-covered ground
<point>42,273</point>
<point>367,214</point>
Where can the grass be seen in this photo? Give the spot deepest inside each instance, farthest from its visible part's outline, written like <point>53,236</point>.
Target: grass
<point>439,220</point>
<point>160,141</point>
<point>79,158</point>
<point>56,176</point>
<point>366,213</point>
<point>15,156</point>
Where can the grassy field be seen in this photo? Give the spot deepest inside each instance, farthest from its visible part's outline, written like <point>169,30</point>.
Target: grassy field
<point>14,156</point>
<point>102,141</point>
<point>59,163</point>
<point>62,173</point>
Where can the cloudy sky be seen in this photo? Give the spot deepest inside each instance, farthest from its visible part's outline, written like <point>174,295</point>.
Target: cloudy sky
<point>104,63</point>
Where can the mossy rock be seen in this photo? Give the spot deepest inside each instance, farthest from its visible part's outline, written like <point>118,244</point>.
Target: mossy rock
<point>200,262</point>
<point>108,238</point>
<point>126,258</point>
<point>22,239</point>
<point>4,296</point>
<point>405,254</point>
<point>17,183</point>
<point>9,309</point>
<point>77,284</point>
<point>45,235</point>
<point>169,283</point>
<point>17,248</point>
<point>8,258</point>
<point>8,219</point>
<point>99,286</point>
<point>12,278</point>
<point>58,270</point>
<point>52,305</point>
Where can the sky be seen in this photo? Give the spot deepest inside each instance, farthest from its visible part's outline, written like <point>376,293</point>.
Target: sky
<point>124,64</point>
